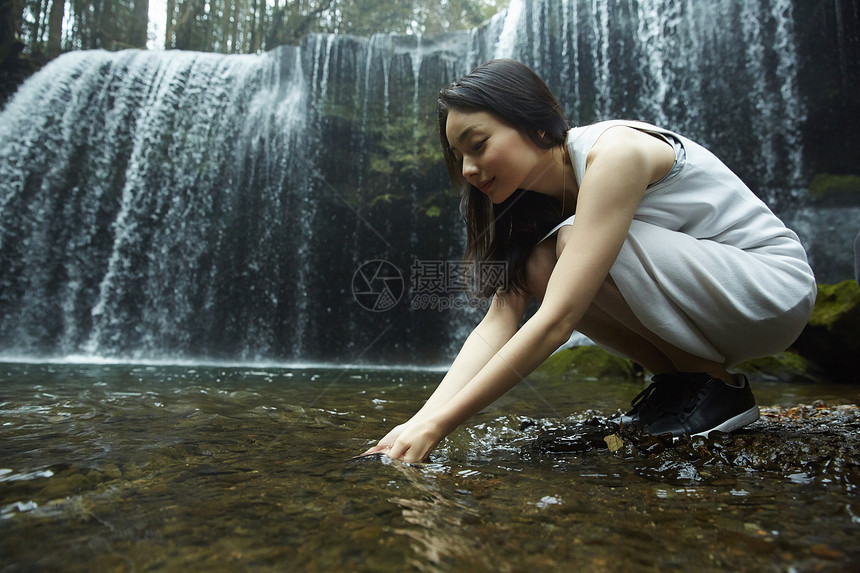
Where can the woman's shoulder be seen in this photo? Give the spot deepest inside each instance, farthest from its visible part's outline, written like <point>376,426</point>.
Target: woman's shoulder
<point>594,130</point>
<point>581,139</point>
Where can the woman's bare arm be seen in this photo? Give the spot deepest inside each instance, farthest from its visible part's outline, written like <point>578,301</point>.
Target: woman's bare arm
<point>619,168</point>
<point>495,329</point>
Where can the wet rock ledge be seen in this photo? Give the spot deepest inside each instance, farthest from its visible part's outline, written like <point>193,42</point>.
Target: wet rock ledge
<point>806,443</point>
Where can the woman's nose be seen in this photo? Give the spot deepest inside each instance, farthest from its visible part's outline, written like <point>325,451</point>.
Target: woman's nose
<point>470,169</point>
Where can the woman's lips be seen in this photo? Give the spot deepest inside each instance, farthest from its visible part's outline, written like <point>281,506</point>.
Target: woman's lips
<point>485,186</point>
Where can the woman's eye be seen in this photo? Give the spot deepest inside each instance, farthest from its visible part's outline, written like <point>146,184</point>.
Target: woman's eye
<point>480,144</point>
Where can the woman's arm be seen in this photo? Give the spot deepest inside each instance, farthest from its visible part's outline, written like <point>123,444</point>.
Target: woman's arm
<point>495,329</point>
<point>620,166</point>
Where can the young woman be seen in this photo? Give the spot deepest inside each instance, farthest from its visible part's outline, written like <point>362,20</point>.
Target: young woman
<point>633,235</point>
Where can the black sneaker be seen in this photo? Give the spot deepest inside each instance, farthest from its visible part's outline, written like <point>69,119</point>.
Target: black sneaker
<point>705,404</point>
<point>651,402</point>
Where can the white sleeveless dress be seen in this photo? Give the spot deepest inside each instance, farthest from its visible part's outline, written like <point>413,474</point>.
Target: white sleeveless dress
<point>706,265</point>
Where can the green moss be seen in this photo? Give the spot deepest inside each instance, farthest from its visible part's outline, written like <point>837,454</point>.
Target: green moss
<point>827,184</point>
<point>386,197</point>
<point>836,303</point>
<point>830,338</point>
<point>586,362</point>
<point>382,166</point>
<point>559,363</point>
<point>786,366</point>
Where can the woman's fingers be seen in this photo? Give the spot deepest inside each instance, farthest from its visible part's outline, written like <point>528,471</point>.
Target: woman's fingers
<point>397,452</point>
<point>411,449</point>
<point>376,449</point>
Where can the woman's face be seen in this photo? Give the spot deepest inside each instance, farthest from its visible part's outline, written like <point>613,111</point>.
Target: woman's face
<point>495,157</point>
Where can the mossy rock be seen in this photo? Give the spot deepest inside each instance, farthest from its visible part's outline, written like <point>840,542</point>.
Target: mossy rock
<point>786,366</point>
<point>837,305</point>
<point>586,362</point>
<point>831,338</point>
<point>827,188</point>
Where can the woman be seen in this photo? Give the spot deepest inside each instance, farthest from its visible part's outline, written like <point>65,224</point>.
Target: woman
<point>635,236</point>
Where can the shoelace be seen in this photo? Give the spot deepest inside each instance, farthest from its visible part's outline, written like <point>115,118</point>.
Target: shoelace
<point>654,400</point>
<point>688,394</point>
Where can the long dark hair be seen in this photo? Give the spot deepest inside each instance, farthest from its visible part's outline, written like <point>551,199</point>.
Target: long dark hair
<point>507,232</point>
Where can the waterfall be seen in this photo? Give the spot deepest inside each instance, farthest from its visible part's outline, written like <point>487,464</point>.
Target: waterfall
<point>602,72</point>
<point>170,205</point>
<point>506,43</point>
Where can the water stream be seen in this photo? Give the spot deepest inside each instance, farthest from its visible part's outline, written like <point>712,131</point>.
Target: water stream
<point>196,468</point>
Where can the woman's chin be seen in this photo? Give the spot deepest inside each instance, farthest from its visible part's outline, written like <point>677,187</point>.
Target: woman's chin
<point>498,196</point>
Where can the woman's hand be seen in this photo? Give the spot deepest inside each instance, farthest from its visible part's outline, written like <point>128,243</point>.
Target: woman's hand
<point>409,442</point>
<point>416,442</point>
<point>385,443</point>
<point>497,327</point>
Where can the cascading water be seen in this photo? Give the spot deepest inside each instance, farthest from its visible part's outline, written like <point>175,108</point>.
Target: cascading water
<point>508,36</point>
<point>202,207</point>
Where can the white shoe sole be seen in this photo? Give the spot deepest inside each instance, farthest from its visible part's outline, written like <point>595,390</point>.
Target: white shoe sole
<point>734,423</point>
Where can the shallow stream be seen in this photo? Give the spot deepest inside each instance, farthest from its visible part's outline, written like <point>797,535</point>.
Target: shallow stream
<point>203,468</point>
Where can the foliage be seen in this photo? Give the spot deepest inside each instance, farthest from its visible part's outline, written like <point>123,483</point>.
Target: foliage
<point>254,25</point>
<point>366,17</point>
<point>48,27</point>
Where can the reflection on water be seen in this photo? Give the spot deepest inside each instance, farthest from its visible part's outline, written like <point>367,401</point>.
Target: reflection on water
<point>193,468</point>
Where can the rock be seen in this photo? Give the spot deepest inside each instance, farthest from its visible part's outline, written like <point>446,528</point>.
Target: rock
<point>803,444</point>
<point>857,258</point>
<point>830,189</point>
<point>830,339</point>
<point>587,362</point>
<point>828,349</point>
<point>577,438</point>
<point>786,366</point>
<point>67,485</point>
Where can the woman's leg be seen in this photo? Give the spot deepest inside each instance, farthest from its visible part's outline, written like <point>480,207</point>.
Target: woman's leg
<point>689,398</point>
<point>611,323</point>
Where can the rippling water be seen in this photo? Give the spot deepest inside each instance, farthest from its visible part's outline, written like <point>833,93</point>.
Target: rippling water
<point>201,468</point>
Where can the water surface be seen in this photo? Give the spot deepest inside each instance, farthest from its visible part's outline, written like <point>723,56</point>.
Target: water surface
<point>198,468</point>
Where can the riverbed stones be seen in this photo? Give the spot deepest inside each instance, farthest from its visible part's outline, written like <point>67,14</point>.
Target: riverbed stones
<point>802,444</point>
